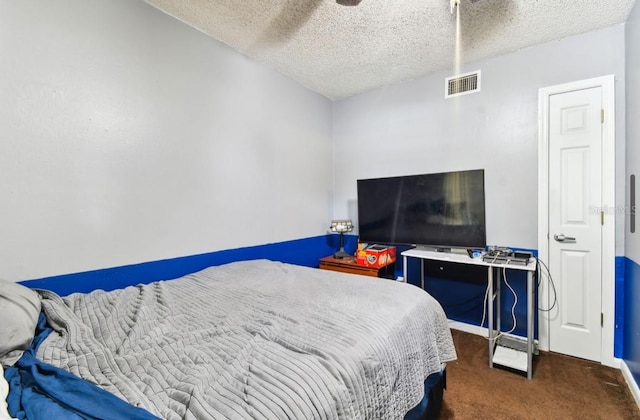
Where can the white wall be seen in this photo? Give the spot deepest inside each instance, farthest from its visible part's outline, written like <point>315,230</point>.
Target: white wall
<point>632,240</point>
<point>410,128</point>
<point>129,137</point>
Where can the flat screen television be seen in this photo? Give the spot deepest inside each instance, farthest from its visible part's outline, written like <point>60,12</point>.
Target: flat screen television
<point>442,210</point>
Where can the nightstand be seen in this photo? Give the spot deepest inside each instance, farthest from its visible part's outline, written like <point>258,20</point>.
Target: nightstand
<point>349,265</point>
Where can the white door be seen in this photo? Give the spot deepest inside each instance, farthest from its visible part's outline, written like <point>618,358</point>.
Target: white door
<point>575,227</point>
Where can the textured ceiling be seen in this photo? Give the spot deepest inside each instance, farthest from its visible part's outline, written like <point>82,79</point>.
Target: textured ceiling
<point>340,51</point>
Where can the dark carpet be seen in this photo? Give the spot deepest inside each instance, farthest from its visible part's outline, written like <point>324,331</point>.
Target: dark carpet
<point>562,387</point>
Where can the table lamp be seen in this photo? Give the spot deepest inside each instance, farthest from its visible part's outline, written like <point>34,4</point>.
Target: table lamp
<point>341,226</point>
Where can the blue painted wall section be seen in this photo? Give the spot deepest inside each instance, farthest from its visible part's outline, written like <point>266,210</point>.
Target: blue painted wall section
<point>462,300</point>
<point>618,333</point>
<point>631,338</point>
<point>306,252</point>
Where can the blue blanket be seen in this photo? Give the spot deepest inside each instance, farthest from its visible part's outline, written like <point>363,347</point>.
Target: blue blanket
<point>38,390</point>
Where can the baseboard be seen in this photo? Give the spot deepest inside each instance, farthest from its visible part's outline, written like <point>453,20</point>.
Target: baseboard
<point>614,363</point>
<point>468,328</point>
<point>477,330</point>
<point>633,386</point>
<point>508,340</point>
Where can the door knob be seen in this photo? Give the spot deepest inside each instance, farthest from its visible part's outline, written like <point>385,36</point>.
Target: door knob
<point>561,238</point>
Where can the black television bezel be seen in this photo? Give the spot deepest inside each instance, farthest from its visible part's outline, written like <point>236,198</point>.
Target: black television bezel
<point>420,244</point>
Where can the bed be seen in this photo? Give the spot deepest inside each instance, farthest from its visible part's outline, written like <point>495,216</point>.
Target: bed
<point>252,339</point>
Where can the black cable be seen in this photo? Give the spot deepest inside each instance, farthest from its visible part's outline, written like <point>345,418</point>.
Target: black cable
<point>551,282</point>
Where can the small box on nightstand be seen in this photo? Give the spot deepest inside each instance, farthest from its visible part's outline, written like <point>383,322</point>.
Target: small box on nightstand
<point>377,256</point>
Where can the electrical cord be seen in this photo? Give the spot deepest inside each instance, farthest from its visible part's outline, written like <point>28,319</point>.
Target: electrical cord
<point>484,306</point>
<point>486,293</point>
<point>539,265</point>
<point>513,307</point>
<point>551,283</point>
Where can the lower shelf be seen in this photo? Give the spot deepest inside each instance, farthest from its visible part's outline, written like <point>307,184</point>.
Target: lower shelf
<point>510,358</point>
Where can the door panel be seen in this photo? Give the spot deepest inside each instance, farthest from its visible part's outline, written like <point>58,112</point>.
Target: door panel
<point>574,166</point>
<point>575,302</point>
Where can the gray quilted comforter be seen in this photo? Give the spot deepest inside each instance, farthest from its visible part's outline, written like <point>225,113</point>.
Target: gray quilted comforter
<point>255,339</point>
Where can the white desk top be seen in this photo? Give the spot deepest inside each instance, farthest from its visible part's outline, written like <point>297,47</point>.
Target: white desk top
<point>463,259</point>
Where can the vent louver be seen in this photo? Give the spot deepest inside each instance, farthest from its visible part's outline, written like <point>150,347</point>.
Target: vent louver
<point>462,84</point>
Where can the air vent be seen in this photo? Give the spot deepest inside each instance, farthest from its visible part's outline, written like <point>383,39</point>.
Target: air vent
<point>462,84</point>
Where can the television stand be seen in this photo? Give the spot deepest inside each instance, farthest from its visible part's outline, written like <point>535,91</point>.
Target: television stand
<point>522,359</point>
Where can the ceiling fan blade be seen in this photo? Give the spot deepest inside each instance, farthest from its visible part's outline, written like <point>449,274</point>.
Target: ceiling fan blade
<point>348,2</point>
<point>293,16</point>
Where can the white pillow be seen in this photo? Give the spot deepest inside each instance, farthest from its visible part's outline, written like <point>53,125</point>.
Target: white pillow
<point>19,312</point>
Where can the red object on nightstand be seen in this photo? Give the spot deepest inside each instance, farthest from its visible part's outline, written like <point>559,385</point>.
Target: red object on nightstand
<point>350,265</point>
<point>377,256</point>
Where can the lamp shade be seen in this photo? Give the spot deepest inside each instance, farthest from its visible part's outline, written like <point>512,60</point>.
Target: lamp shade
<point>341,226</point>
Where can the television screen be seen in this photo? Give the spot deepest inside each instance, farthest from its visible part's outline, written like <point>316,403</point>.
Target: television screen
<point>444,210</point>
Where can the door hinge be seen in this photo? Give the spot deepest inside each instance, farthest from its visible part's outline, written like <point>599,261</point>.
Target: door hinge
<point>601,319</point>
<point>602,116</point>
<point>602,218</point>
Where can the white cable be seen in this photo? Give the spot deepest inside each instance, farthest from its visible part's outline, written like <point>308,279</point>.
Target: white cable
<point>513,307</point>
<point>484,306</point>
<point>486,293</point>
